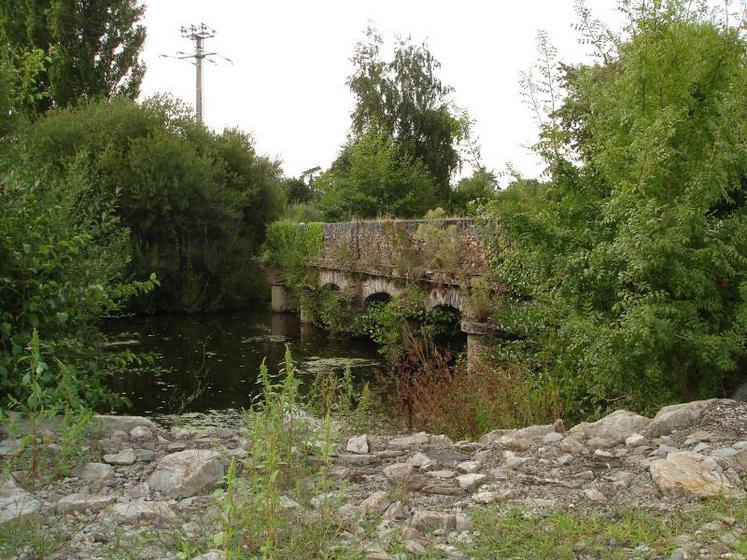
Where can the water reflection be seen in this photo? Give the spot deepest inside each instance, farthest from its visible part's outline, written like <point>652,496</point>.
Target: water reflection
<point>218,356</point>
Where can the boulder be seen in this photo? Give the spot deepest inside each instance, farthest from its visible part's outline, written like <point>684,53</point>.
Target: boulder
<point>141,433</point>
<point>113,423</point>
<point>358,444</point>
<point>414,440</point>
<point>95,472</point>
<point>187,473</point>
<point>618,425</point>
<point>80,502</point>
<point>141,510</point>
<point>693,474</point>
<point>16,503</point>
<point>126,457</point>
<point>424,520</point>
<point>377,502</point>
<point>470,482</point>
<point>676,417</point>
<point>398,472</point>
<point>517,440</point>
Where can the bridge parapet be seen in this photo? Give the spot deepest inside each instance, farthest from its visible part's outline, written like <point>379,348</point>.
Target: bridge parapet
<point>442,251</point>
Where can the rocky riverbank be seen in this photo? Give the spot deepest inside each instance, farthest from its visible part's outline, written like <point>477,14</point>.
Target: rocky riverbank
<point>154,491</point>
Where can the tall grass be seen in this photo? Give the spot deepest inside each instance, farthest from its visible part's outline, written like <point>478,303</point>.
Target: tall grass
<point>289,459</point>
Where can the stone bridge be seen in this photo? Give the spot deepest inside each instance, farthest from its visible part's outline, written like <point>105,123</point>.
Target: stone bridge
<point>378,260</point>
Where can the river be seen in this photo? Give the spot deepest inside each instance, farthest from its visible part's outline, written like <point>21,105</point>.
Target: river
<point>211,361</point>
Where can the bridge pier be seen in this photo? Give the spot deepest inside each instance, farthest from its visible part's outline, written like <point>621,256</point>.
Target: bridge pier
<point>279,298</point>
<point>480,344</point>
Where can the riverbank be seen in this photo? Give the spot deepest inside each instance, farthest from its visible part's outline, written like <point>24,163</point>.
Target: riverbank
<point>625,486</point>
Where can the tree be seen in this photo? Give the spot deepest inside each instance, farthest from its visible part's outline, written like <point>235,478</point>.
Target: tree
<point>92,47</point>
<point>481,186</point>
<point>375,177</point>
<point>633,254</point>
<point>406,100</point>
<point>196,202</point>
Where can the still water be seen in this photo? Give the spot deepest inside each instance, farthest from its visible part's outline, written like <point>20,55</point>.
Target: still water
<point>211,361</point>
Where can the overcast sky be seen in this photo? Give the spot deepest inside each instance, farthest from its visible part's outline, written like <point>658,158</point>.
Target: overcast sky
<point>291,59</point>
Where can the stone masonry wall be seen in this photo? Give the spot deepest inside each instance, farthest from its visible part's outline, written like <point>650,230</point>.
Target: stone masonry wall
<point>389,248</point>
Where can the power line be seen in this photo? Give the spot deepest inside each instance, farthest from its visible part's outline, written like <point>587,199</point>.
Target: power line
<point>198,34</point>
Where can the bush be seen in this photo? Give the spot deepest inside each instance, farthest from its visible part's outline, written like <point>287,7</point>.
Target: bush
<point>196,202</point>
<point>63,254</point>
<point>624,272</point>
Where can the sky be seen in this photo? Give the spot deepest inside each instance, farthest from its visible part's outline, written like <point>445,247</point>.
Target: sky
<point>291,58</point>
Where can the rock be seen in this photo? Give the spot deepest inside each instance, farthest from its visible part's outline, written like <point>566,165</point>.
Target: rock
<point>553,437</point>
<point>11,447</point>
<point>512,461</point>
<point>724,452</point>
<point>595,495</point>
<point>618,425</point>
<point>141,433</point>
<point>484,497</point>
<point>353,459</point>
<point>424,520</point>
<point>564,459</point>
<point>692,474</point>
<point>740,462</point>
<point>468,466</point>
<point>398,472</point>
<point>180,433</point>
<point>603,442</point>
<point>443,474</point>
<point>126,457</point>
<point>517,440</point>
<point>95,472</point>
<point>377,502</point>
<point>140,510</point>
<point>572,445</point>
<point>463,522</point>
<point>16,503</point>
<point>702,446</point>
<point>421,461</point>
<point>414,440</point>
<point>187,473</point>
<point>113,423</point>
<point>676,417</point>
<point>469,482</point>
<point>80,502</point>
<point>636,440</point>
<point>358,444</point>
<point>145,456</point>
<point>699,436</point>
<point>288,503</point>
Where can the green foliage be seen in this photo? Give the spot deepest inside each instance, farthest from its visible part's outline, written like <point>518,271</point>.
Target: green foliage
<point>378,177</point>
<point>62,258</point>
<point>92,49</point>
<point>404,99</point>
<point>564,535</point>
<point>196,202</point>
<point>481,187</point>
<point>290,456</point>
<point>633,253</point>
<point>291,247</point>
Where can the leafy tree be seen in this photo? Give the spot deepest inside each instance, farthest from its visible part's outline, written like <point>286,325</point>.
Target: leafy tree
<point>376,176</point>
<point>63,255</point>
<point>405,99</point>
<point>196,202</point>
<point>92,47</point>
<point>481,186</point>
<point>633,254</point>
